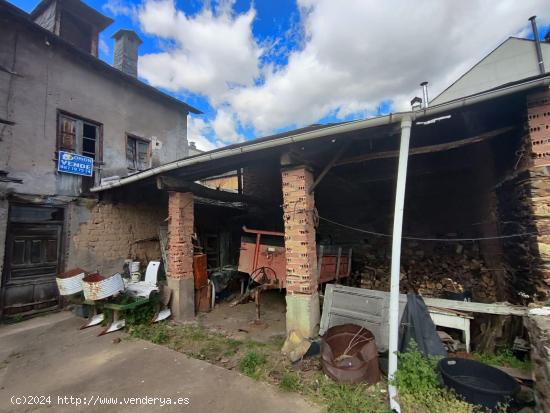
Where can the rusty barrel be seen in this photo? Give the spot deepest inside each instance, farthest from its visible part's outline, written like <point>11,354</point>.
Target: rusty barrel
<point>349,354</point>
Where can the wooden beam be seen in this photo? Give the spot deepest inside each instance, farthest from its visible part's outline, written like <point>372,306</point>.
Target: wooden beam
<point>471,307</point>
<point>426,149</point>
<point>169,183</point>
<point>327,168</point>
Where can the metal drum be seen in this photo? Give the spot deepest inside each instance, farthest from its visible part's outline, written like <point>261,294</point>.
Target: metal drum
<point>349,355</point>
<point>97,287</point>
<point>70,282</point>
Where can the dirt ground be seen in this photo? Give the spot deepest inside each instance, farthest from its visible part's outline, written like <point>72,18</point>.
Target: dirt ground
<point>238,322</point>
<point>50,356</point>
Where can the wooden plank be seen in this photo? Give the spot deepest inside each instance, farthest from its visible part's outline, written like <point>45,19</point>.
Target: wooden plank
<point>327,168</point>
<point>426,149</point>
<point>484,308</point>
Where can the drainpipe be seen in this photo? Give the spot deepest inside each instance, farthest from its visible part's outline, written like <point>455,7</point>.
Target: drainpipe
<point>533,20</point>
<point>406,124</point>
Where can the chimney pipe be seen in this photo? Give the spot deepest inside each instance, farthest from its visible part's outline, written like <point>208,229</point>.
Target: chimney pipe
<point>416,103</point>
<point>425,93</point>
<point>537,44</point>
<point>126,51</point>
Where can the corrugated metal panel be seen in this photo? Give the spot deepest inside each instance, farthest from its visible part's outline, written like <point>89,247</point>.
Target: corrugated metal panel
<point>98,290</point>
<point>367,308</point>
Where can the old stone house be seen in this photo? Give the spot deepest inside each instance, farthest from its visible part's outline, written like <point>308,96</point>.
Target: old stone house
<point>57,95</point>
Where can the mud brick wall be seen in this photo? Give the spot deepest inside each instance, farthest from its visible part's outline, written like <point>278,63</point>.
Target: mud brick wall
<point>539,334</point>
<point>115,232</point>
<point>180,234</point>
<point>301,255</point>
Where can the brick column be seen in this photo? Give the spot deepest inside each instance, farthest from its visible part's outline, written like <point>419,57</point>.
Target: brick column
<point>301,255</point>
<point>180,254</point>
<point>539,183</point>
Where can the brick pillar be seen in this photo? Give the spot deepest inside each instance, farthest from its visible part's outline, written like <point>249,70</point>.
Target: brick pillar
<point>539,188</point>
<point>301,255</point>
<point>180,254</point>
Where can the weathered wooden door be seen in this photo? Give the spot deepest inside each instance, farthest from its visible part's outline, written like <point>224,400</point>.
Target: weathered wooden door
<point>32,259</point>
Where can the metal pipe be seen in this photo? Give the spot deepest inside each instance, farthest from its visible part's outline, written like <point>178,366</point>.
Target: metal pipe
<point>328,131</point>
<point>406,125</point>
<point>540,59</point>
<point>425,93</point>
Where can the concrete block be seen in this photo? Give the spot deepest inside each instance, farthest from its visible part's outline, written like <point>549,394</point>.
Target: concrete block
<point>303,314</point>
<point>183,298</point>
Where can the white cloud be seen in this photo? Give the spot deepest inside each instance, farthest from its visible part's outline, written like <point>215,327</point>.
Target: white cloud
<point>197,131</point>
<point>103,46</point>
<point>119,8</point>
<point>210,52</point>
<point>358,53</point>
<point>353,55</point>
<point>225,127</point>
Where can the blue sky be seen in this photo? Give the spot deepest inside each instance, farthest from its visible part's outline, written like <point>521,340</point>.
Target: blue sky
<point>255,68</point>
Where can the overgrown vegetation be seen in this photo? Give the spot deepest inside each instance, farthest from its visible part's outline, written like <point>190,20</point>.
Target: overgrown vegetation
<point>264,361</point>
<point>504,357</point>
<point>358,398</point>
<point>419,389</point>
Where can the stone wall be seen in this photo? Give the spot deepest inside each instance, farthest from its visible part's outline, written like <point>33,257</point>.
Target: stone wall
<point>524,200</point>
<point>539,333</point>
<point>113,233</point>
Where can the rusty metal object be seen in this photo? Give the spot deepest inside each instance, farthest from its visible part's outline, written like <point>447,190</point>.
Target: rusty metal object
<point>70,282</point>
<point>332,263</point>
<point>96,287</point>
<point>349,355</point>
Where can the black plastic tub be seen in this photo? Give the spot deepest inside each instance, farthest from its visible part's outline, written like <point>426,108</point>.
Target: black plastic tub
<point>478,383</point>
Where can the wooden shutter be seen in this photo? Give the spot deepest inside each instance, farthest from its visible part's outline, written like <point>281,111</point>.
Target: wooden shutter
<point>67,133</point>
<point>131,153</point>
<point>142,155</point>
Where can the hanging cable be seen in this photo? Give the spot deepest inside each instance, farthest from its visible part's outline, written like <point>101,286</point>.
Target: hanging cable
<point>380,234</point>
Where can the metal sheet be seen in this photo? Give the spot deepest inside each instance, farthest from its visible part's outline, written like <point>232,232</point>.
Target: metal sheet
<point>107,287</point>
<point>368,308</point>
<point>70,285</point>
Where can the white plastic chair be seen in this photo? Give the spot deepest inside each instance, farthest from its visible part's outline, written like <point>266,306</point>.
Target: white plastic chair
<point>145,288</point>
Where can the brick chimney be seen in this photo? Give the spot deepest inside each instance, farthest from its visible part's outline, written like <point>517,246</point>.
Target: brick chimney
<point>126,51</point>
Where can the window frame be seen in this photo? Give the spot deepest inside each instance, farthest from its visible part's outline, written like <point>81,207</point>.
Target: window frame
<point>79,140</point>
<point>136,138</point>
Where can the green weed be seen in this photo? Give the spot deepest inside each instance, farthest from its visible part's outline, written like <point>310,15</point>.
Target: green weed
<point>419,389</point>
<point>250,364</point>
<point>290,382</point>
<point>504,357</point>
<point>343,398</point>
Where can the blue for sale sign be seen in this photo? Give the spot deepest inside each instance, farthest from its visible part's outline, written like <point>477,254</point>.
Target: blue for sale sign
<point>73,163</point>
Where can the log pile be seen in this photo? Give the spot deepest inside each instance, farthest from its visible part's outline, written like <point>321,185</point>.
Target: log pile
<point>454,271</point>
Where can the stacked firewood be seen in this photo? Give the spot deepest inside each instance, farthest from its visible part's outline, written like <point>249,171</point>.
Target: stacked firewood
<point>451,271</point>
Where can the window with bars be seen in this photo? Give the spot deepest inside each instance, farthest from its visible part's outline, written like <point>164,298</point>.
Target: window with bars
<point>137,153</point>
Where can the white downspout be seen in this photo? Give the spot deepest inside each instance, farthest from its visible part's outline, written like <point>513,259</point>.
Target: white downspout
<point>406,124</point>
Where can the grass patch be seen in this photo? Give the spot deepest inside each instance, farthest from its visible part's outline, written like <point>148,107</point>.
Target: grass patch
<point>504,357</point>
<point>419,389</point>
<point>290,382</point>
<point>347,398</point>
<point>264,361</point>
<point>251,364</point>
